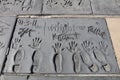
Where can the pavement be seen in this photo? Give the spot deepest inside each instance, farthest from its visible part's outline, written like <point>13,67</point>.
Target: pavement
<point>59,40</point>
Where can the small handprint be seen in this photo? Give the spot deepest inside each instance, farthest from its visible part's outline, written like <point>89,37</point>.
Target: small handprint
<point>16,43</point>
<point>58,48</point>
<point>87,46</point>
<point>57,59</point>
<point>35,43</point>
<point>1,45</point>
<point>103,46</point>
<point>72,47</point>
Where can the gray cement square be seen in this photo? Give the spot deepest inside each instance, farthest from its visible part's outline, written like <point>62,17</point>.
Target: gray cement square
<point>61,45</point>
<point>66,7</point>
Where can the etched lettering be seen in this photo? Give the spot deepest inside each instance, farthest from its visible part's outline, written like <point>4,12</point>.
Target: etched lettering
<point>23,31</point>
<point>96,31</point>
<point>64,36</point>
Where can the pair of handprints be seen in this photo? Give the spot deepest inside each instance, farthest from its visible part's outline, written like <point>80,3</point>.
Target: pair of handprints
<point>57,59</point>
<point>20,54</point>
<point>99,54</point>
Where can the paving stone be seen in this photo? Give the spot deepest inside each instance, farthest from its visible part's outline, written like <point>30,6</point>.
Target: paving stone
<point>6,28</point>
<point>61,45</point>
<point>14,7</point>
<point>57,78</point>
<point>106,6</point>
<point>67,7</point>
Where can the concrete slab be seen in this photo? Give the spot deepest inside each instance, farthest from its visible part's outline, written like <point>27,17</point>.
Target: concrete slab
<point>67,7</point>
<point>6,28</point>
<point>106,7</point>
<point>15,7</point>
<point>61,45</point>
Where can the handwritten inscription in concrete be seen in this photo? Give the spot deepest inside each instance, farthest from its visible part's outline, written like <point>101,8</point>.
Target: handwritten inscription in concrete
<point>12,7</point>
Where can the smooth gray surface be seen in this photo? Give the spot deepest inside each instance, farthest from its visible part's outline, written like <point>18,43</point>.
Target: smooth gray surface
<point>6,28</point>
<point>74,78</point>
<point>57,78</point>
<point>106,7</point>
<point>6,77</point>
<point>67,7</point>
<point>15,7</point>
<point>61,45</point>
